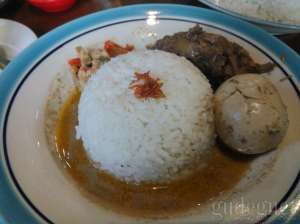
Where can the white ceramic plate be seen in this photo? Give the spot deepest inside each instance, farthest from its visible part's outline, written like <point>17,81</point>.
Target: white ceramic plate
<point>35,190</point>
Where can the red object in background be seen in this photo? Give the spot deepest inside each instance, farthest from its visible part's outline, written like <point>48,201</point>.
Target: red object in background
<point>52,5</point>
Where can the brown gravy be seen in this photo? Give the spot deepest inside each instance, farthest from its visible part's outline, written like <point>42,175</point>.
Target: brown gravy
<point>223,172</point>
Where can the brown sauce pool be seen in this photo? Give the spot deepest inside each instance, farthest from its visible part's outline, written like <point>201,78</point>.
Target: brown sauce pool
<point>223,172</point>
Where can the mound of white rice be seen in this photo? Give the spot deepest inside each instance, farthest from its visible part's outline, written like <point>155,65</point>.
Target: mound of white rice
<point>147,140</point>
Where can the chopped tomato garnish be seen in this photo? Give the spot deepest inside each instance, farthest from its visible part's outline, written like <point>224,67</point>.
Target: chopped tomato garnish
<point>114,49</point>
<point>144,86</point>
<point>75,62</point>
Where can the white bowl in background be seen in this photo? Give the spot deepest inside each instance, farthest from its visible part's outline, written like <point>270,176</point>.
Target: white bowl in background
<point>14,37</point>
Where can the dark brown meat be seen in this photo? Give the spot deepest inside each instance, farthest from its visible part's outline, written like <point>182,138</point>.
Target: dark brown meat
<point>218,58</point>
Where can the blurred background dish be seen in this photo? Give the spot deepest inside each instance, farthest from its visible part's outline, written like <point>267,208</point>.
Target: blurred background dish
<point>272,15</point>
<point>14,37</point>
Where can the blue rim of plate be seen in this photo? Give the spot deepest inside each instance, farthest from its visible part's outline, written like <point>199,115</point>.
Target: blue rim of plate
<point>14,204</point>
<point>251,19</point>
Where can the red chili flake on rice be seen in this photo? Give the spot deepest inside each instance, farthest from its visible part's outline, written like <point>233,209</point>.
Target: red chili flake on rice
<point>145,87</point>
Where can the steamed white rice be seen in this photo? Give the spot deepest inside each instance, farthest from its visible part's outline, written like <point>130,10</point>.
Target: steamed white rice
<point>147,140</point>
